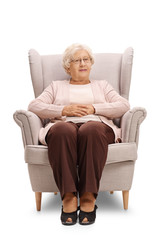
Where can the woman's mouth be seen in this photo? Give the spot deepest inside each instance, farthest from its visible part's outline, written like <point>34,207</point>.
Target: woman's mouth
<point>83,70</point>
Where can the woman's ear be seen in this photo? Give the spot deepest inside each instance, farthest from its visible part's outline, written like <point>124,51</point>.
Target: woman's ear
<point>68,70</point>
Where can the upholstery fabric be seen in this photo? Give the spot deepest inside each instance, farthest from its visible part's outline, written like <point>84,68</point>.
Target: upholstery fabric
<point>115,177</point>
<point>118,152</point>
<point>30,125</point>
<point>130,124</point>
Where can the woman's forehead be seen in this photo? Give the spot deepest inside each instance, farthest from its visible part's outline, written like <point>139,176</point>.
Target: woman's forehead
<point>81,53</point>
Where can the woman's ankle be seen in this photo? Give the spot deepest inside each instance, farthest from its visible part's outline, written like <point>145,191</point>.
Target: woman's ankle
<point>87,202</point>
<point>70,202</point>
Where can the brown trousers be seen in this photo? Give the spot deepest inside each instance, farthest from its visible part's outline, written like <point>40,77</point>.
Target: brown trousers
<point>84,145</point>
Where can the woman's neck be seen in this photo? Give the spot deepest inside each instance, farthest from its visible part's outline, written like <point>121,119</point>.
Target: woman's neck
<point>79,82</point>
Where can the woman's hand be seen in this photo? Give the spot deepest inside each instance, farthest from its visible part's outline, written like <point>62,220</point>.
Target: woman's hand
<point>90,109</point>
<point>77,110</point>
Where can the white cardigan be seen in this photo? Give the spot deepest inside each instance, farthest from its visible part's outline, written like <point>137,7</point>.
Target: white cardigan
<point>108,104</point>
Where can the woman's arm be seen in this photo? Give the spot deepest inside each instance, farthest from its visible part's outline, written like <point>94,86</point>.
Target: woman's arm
<point>115,105</point>
<point>43,105</point>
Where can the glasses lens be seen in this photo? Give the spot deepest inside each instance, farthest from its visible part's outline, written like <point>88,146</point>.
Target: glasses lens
<point>78,61</point>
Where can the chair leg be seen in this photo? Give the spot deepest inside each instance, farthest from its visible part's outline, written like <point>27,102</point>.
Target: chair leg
<point>38,196</point>
<point>125,199</point>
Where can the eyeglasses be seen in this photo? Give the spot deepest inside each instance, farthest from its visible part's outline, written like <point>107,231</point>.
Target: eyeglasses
<point>78,61</point>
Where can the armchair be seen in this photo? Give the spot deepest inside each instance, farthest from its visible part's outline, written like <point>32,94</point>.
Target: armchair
<point>118,171</point>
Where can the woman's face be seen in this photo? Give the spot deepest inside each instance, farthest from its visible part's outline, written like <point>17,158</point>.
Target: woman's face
<point>80,67</point>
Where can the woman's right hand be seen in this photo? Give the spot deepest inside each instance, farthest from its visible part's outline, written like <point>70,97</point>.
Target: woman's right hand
<point>75,110</point>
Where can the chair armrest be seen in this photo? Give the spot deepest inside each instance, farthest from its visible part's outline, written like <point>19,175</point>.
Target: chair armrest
<point>30,125</point>
<point>130,124</point>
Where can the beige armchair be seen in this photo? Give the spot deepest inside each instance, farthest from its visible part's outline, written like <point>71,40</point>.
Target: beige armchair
<point>118,171</point>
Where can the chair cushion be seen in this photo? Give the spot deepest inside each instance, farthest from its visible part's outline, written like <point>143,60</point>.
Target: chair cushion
<point>118,152</point>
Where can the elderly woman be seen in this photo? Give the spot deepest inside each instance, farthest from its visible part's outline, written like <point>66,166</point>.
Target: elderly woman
<point>81,111</point>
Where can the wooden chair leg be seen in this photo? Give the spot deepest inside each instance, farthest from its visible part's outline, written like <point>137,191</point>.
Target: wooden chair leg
<point>125,199</point>
<point>38,196</point>
<point>111,192</point>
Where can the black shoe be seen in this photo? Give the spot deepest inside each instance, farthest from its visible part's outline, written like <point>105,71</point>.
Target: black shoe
<point>91,216</point>
<point>65,216</point>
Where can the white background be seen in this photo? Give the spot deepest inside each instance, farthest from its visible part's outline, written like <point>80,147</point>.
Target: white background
<point>49,27</point>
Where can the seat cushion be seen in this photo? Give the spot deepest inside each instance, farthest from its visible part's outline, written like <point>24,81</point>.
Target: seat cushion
<point>118,152</point>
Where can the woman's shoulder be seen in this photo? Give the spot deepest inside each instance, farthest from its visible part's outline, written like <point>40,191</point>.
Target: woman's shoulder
<point>104,85</point>
<point>56,84</point>
<point>100,82</point>
<point>59,82</point>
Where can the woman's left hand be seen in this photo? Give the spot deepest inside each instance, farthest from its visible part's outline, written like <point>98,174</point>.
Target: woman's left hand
<point>90,109</point>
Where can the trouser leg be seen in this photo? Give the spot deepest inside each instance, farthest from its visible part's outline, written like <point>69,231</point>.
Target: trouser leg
<point>62,153</point>
<point>93,140</point>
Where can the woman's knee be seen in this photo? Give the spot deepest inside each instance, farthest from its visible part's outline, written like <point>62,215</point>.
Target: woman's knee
<point>61,129</point>
<point>90,129</point>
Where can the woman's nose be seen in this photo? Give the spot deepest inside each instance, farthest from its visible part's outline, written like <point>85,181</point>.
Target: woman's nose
<point>82,62</point>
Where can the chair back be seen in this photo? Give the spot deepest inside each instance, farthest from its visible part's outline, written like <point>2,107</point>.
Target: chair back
<point>114,67</point>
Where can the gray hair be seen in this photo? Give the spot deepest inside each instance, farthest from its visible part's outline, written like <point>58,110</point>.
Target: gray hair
<point>71,50</point>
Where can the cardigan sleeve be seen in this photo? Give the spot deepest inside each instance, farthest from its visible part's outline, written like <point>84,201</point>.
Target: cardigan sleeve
<point>44,107</point>
<point>115,105</point>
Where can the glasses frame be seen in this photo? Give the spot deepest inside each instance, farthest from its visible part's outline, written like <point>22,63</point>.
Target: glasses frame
<point>79,60</point>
